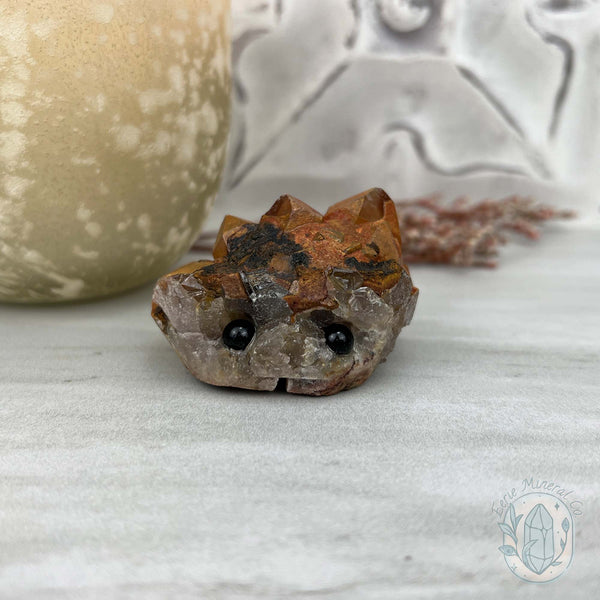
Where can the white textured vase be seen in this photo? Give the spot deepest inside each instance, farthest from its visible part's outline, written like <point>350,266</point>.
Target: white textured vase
<point>114,117</point>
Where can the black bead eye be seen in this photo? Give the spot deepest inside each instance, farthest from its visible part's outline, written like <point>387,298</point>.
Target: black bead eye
<point>339,338</point>
<point>238,334</point>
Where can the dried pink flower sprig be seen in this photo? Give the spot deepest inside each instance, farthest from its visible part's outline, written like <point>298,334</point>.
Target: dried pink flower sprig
<point>466,234</point>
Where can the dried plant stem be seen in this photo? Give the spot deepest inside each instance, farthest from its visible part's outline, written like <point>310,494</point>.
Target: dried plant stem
<point>466,234</point>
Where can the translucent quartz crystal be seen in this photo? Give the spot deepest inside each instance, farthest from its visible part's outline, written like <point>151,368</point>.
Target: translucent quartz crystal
<point>292,275</point>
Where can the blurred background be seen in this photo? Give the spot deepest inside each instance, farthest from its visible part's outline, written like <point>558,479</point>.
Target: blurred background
<point>477,97</point>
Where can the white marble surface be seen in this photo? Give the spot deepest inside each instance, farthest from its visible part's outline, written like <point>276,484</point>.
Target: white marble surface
<point>123,477</point>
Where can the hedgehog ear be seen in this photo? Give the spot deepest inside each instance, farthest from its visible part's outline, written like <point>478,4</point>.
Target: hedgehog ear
<point>228,226</point>
<point>289,212</point>
<point>367,207</point>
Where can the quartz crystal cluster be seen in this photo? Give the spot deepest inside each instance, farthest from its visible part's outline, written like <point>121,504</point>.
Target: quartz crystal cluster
<point>302,301</point>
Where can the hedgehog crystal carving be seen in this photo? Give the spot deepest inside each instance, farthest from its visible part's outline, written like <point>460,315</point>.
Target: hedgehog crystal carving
<point>307,302</point>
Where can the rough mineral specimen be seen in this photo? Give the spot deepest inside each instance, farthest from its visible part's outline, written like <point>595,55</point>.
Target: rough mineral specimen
<point>308,301</point>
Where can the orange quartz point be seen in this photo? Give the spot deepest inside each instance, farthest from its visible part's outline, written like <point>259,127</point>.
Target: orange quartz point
<point>288,213</point>
<point>229,225</point>
<point>367,207</point>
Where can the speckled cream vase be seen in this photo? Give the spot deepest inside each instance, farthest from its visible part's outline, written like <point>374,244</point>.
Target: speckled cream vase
<point>114,117</point>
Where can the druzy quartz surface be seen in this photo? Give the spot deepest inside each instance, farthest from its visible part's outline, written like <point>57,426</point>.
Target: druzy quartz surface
<point>307,302</point>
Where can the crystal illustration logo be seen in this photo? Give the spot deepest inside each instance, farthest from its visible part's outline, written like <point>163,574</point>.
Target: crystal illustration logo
<point>538,534</point>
